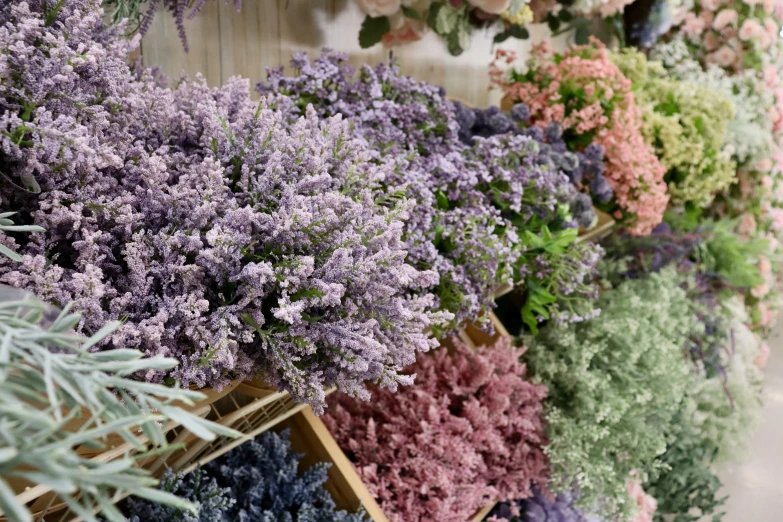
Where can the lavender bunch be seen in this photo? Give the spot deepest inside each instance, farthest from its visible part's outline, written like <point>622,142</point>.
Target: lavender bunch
<point>412,124</point>
<point>540,508</point>
<point>222,233</point>
<point>258,481</point>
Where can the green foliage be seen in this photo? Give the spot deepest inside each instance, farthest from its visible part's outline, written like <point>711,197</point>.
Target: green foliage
<point>729,255</point>
<point>687,124</point>
<point>615,383</point>
<point>7,225</point>
<point>45,395</point>
<point>372,30</point>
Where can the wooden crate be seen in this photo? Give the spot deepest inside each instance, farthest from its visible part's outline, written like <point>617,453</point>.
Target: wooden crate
<point>310,437</point>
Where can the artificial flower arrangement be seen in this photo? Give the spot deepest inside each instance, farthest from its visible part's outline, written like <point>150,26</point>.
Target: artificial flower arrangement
<point>259,481</point>
<point>396,22</point>
<point>687,125</point>
<point>615,384</point>
<point>478,435</point>
<point>220,232</point>
<point>593,102</point>
<point>733,34</point>
<point>491,208</point>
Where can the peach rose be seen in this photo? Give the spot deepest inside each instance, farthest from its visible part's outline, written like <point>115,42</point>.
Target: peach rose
<point>376,8</point>
<point>747,225</point>
<point>772,28</point>
<point>724,18</point>
<point>770,74</point>
<point>777,219</point>
<point>751,30</point>
<point>491,6</point>
<point>404,30</point>
<point>708,17</point>
<point>760,291</point>
<point>725,56</point>
<point>763,355</point>
<point>693,26</point>
<point>765,268</point>
<point>710,5</point>
<point>769,6</point>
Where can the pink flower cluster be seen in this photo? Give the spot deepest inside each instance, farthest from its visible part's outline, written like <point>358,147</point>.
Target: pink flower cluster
<point>468,433</point>
<point>592,100</point>
<point>645,503</point>
<point>732,34</point>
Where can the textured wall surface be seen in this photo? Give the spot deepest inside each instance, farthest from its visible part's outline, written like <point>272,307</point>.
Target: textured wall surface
<point>224,43</point>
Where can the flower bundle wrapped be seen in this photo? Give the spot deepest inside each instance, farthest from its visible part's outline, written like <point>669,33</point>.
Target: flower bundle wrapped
<point>397,22</point>
<point>258,481</point>
<point>223,234</point>
<point>615,383</point>
<point>687,125</point>
<point>584,92</point>
<point>469,432</point>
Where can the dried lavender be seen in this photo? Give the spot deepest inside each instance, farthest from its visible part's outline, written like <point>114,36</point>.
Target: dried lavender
<point>222,233</point>
<point>413,124</point>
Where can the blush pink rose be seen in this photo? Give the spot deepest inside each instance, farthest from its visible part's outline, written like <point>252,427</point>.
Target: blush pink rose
<point>376,8</point>
<point>710,5</point>
<point>764,165</point>
<point>747,225</point>
<point>693,26</point>
<point>777,219</point>
<point>763,355</point>
<point>491,6</point>
<point>708,17</point>
<point>751,30</point>
<point>765,268</point>
<point>772,28</point>
<point>724,18</point>
<point>760,291</point>
<point>710,42</point>
<point>770,75</point>
<point>767,314</point>
<point>725,56</point>
<point>769,6</point>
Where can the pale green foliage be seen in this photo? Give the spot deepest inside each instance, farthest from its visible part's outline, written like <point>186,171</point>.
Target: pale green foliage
<point>615,383</point>
<point>7,225</point>
<point>687,124</point>
<point>726,409</point>
<point>50,384</point>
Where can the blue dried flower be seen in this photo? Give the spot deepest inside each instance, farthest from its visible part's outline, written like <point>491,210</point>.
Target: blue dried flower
<point>600,189</point>
<point>594,152</point>
<point>553,132</point>
<point>520,112</point>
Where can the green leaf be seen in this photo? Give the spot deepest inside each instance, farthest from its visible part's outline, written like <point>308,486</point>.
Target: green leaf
<point>372,30</point>
<point>446,19</point>
<point>442,199</point>
<point>410,12</point>
<point>12,509</point>
<point>13,256</point>
<point>553,22</point>
<point>582,35</point>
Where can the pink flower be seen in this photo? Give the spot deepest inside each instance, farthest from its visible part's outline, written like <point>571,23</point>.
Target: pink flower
<point>767,182</point>
<point>764,165</point>
<point>491,6</point>
<point>376,8</point>
<point>766,313</point>
<point>747,225</point>
<point>725,56</point>
<point>765,269</point>
<point>770,75</point>
<point>708,17</point>
<point>404,30</point>
<point>693,26</point>
<point>760,291</point>
<point>710,42</point>
<point>771,27</point>
<point>769,6</point>
<point>647,505</point>
<point>710,5</point>
<point>774,244</point>
<point>724,18</point>
<point>777,219</point>
<point>751,30</point>
<point>763,355</point>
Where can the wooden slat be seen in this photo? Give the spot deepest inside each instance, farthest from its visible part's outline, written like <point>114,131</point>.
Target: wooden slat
<point>310,436</point>
<point>478,517</point>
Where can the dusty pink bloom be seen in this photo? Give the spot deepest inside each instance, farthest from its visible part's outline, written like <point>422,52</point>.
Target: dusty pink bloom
<point>469,432</point>
<point>764,165</point>
<point>693,26</point>
<point>710,5</point>
<point>747,225</point>
<point>376,8</point>
<point>710,42</point>
<point>750,30</point>
<point>763,355</point>
<point>646,503</point>
<point>491,6</point>
<point>767,314</point>
<point>612,7</point>
<point>777,219</point>
<point>404,30</point>
<point>770,73</point>
<point>772,28</point>
<point>724,18</point>
<point>725,56</point>
<point>769,6</point>
<point>765,268</point>
<point>760,290</point>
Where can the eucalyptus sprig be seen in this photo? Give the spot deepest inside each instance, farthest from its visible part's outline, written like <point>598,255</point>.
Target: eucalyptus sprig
<point>57,396</point>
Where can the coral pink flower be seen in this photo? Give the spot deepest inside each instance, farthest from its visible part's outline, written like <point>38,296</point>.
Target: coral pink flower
<point>764,165</point>
<point>763,355</point>
<point>766,313</point>
<point>647,504</point>
<point>724,18</point>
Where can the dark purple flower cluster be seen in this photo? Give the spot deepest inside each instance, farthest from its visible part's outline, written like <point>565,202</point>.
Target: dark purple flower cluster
<point>540,508</point>
<point>221,232</point>
<point>582,168</point>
